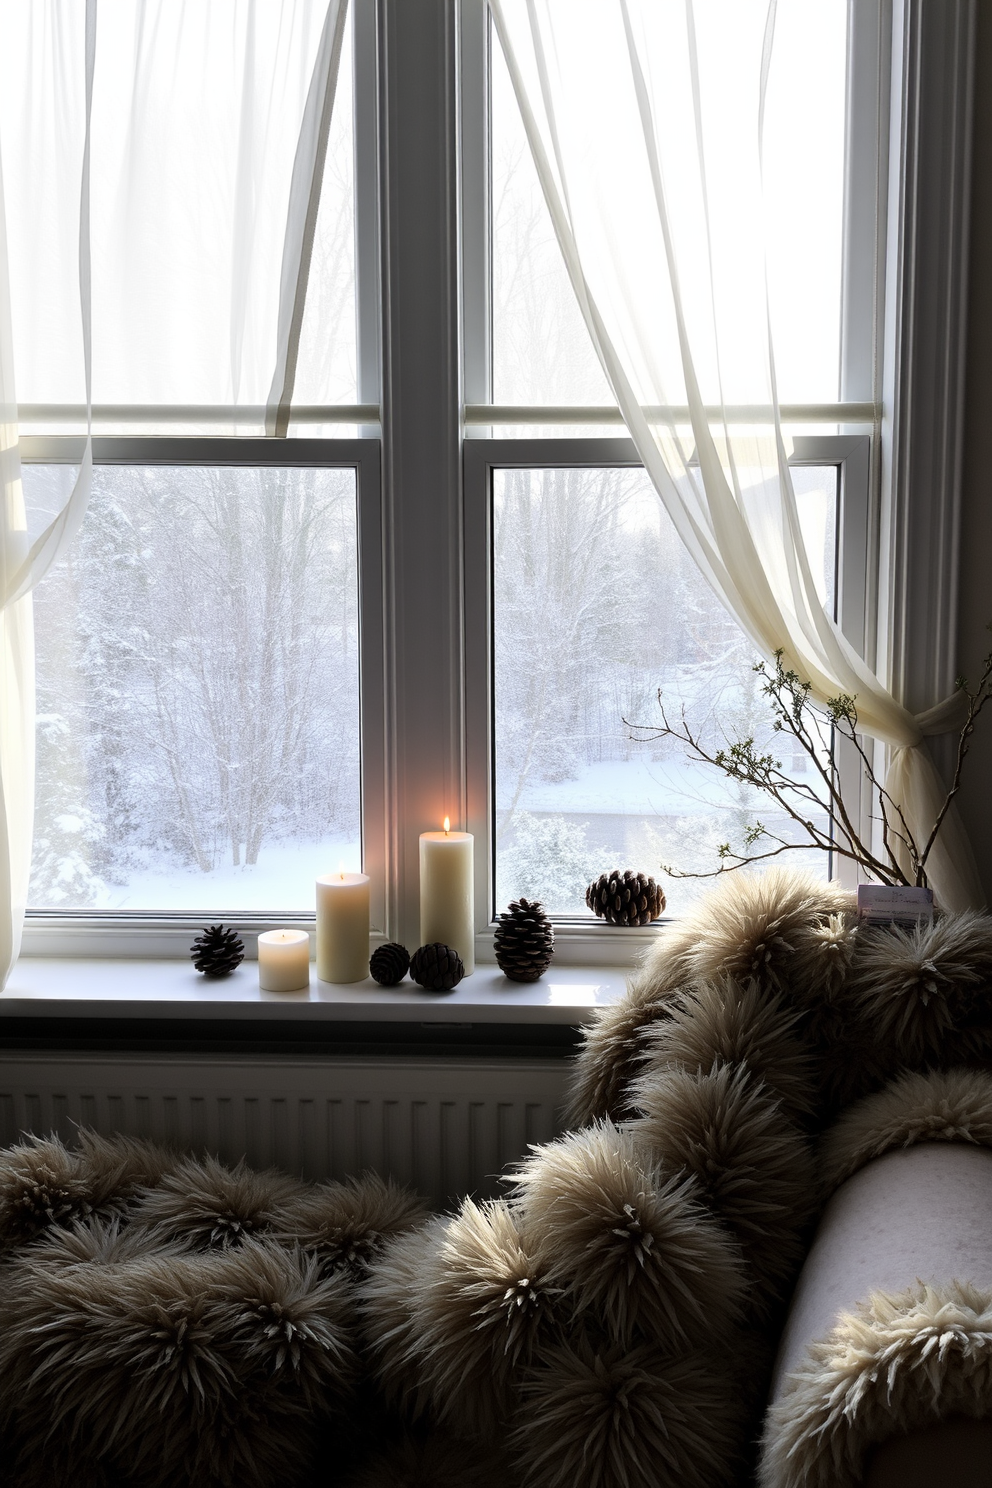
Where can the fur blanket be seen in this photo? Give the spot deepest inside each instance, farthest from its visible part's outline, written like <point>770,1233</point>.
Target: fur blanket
<point>610,1323</point>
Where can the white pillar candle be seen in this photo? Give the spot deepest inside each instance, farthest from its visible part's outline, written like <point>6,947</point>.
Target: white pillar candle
<point>343,927</point>
<point>283,960</point>
<point>447,891</point>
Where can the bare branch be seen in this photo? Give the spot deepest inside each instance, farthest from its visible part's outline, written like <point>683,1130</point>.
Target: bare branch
<point>796,717</point>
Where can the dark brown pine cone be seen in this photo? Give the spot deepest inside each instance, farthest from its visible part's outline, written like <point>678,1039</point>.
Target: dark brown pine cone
<point>524,941</point>
<point>389,964</point>
<point>217,951</point>
<point>625,898</point>
<point>436,967</point>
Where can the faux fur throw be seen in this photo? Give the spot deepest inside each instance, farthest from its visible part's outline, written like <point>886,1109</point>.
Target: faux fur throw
<point>609,1324</point>
<point>897,1364</point>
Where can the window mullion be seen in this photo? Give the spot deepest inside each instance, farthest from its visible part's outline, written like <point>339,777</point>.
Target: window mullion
<point>421,398</point>
<point>475,187</point>
<point>367,228</point>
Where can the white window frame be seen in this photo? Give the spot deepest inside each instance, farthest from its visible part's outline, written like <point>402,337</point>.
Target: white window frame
<point>423,268</point>
<point>578,940</point>
<point>51,932</point>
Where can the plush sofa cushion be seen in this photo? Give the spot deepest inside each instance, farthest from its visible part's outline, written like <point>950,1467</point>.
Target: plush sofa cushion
<point>890,1328</point>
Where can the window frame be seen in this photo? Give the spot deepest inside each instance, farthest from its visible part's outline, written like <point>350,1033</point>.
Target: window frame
<point>82,932</point>
<point>423,359</point>
<point>579,940</point>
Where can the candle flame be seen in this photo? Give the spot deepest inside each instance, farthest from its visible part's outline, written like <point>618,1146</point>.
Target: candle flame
<point>341,871</point>
<point>447,825</point>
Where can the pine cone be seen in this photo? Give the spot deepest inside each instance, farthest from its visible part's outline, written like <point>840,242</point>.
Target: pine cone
<point>524,941</point>
<point>626,898</point>
<point>217,951</point>
<point>436,967</point>
<point>389,964</point>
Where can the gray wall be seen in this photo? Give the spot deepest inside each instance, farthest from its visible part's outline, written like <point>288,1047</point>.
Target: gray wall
<point>975,600</point>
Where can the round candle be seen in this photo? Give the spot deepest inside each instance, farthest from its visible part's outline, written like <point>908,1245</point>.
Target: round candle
<point>283,960</point>
<point>343,927</point>
<point>447,891</point>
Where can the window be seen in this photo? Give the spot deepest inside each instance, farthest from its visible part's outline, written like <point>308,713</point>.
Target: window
<point>447,412</point>
<point>198,685</point>
<point>594,605</point>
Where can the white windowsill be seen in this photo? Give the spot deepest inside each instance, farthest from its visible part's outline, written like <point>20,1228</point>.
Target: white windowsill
<point>162,989</point>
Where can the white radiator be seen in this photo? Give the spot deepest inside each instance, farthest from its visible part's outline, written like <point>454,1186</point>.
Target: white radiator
<point>447,1127</point>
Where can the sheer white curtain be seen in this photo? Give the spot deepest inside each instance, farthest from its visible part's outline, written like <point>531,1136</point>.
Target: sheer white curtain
<point>160,170</point>
<point>646,120</point>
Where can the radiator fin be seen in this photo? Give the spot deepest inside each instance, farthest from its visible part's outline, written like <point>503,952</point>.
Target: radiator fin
<point>447,1128</point>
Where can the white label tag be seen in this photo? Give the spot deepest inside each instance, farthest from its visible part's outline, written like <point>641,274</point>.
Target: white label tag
<point>884,904</point>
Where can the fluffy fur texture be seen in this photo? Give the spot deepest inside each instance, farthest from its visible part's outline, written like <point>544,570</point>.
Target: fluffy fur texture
<point>626,1244</point>
<point>388,1327</point>
<point>170,1367</point>
<point>786,931</point>
<point>611,1052</point>
<point>822,950</point>
<point>912,988</point>
<point>752,1164</point>
<point>347,1224</point>
<point>173,1320</point>
<point>942,1106</point>
<point>752,926</point>
<point>215,1207</point>
<point>44,1184</point>
<point>729,1022</point>
<point>482,1310</point>
<point>627,1418</point>
<point>899,1363</point>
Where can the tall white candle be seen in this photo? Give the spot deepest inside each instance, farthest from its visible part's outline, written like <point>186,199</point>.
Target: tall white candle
<point>283,960</point>
<point>343,927</point>
<point>447,891</point>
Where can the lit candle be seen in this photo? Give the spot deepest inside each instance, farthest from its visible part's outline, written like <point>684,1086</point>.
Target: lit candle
<point>447,891</point>
<point>343,927</point>
<point>283,960</point>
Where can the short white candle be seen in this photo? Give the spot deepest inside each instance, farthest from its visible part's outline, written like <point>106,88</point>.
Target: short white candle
<point>447,891</point>
<point>343,927</point>
<point>283,960</point>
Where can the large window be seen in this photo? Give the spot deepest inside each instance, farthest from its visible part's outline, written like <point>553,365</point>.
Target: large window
<point>598,609</point>
<point>595,604</point>
<point>444,585</point>
<point>198,689</point>
<point>541,352</point>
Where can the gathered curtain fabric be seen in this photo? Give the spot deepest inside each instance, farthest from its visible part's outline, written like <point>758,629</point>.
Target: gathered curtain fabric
<point>646,121</point>
<point>160,173</point>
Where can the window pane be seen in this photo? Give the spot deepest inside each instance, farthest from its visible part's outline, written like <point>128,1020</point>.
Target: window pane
<point>597,605</point>
<point>198,690</point>
<point>328,359</point>
<point>196,121</point>
<point>541,350</point>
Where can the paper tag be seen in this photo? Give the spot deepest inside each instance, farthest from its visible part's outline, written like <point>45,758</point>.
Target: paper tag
<point>882,904</point>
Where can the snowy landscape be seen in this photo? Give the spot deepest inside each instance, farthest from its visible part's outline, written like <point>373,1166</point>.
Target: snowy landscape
<point>198,691</point>
<point>198,650</point>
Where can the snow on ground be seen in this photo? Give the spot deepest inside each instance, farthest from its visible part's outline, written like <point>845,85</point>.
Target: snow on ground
<point>638,788</point>
<point>282,879</point>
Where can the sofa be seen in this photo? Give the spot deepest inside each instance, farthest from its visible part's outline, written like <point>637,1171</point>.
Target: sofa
<point>761,1252</point>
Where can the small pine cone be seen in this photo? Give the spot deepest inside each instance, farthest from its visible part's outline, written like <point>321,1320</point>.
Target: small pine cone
<point>436,967</point>
<point>217,951</point>
<point>389,964</point>
<point>524,941</point>
<point>625,898</point>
